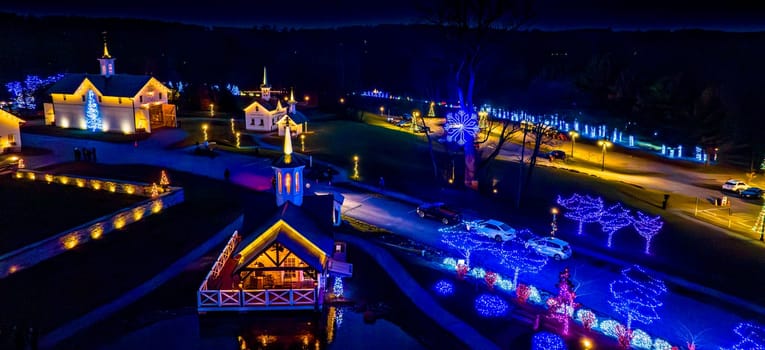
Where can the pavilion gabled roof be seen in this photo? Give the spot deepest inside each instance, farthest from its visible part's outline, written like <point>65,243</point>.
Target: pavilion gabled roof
<point>120,85</point>
<point>294,229</point>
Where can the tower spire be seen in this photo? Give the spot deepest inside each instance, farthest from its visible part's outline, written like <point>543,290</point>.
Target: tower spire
<point>265,77</point>
<point>287,143</point>
<point>265,89</point>
<point>292,101</point>
<point>106,62</point>
<point>106,49</point>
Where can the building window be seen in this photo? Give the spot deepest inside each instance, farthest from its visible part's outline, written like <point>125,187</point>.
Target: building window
<point>65,97</point>
<point>287,182</point>
<point>119,100</point>
<point>279,182</point>
<point>140,98</point>
<point>297,182</point>
<point>261,122</point>
<point>252,121</point>
<point>290,274</point>
<point>99,99</point>
<point>257,108</point>
<point>160,95</point>
<point>12,139</point>
<point>83,98</point>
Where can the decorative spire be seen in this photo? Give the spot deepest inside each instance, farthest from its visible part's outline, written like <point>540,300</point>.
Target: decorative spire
<point>292,96</point>
<point>287,143</point>
<point>106,49</point>
<point>265,77</point>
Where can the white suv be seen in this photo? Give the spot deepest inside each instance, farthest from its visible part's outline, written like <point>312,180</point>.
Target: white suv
<point>734,186</point>
<point>550,246</point>
<point>496,230</point>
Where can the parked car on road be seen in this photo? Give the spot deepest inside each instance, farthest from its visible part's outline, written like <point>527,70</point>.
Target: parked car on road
<point>440,212</point>
<point>735,186</point>
<point>752,193</point>
<point>557,154</point>
<point>550,246</point>
<point>496,230</point>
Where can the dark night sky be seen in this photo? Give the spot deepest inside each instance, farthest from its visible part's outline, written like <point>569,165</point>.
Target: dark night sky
<point>736,15</point>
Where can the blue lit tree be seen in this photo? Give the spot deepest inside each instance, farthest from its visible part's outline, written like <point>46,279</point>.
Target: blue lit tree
<point>519,259</point>
<point>547,341</point>
<point>92,113</point>
<point>24,93</point>
<point>635,296</point>
<point>647,227</point>
<point>582,208</point>
<point>462,240</point>
<point>614,219</point>
<point>752,336</point>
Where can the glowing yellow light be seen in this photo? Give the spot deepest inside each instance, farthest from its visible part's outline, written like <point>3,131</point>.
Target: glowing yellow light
<point>554,211</point>
<point>129,189</point>
<point>156,206</point>
<point>13,158</point>
<point>64,123</point>
<point>111,186</point>
<point>204,131</point>
<point>119,222</point>
<point>95,184</point>
<point>233,130</point>
<point>96,231</point>
<point>138,213</point>
<point>80,182</point>
<point>587,343</point>
<point>31,176</point>
<point>307,98</point>
<point>494,191</point>
<point>238,134</point>
<point>13,268</point>
<point>70,241</point>
<point>64,180</point>
<point>19,175</point>
<point>342,100</point>
<point>49,178</point>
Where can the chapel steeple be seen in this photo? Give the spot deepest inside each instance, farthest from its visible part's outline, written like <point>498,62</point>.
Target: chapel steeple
<point>106,62</point>
<point>288,174</point>
<point>265,88</point>
<point>292,101</point>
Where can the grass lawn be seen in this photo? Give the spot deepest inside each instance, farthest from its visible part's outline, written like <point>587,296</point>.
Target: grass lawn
<point>34,210</point>
<point>71,284</point>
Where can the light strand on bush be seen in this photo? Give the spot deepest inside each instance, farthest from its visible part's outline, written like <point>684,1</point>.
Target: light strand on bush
<point>515,257</point>
<point>458,238</point>
<point>752,336</point>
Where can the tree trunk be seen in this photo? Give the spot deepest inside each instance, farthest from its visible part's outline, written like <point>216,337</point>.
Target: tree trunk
<point>469,148</point>
<point>430,148</point>
<point>533,160</point>
<point>520,171</point>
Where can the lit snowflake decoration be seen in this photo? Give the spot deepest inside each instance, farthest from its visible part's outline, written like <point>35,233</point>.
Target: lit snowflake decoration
<point>460,126</point>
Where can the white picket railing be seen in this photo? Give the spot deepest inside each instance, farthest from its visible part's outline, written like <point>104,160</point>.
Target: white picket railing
<point>221,261</point>
<point>209,300</point>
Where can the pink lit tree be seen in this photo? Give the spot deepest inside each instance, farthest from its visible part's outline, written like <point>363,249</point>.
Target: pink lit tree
<point>490,278</point>
<point>523,292</point>
<point>561,307</point>
<point>635,296</point>
<point>614,218</point>
<point>647,227</point>
<point>582,208</point>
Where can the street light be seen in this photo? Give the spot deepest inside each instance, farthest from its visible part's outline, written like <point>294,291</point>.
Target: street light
<point>356,167</point>
<point>382,109</point>
<point>212,109</point>
<point>415,114</point>
<point>604,144</point>
<point>573,135</point>
<point>204,130</point>
<point>238,135</point>
<point>302,142</point>
<point>554,223</point>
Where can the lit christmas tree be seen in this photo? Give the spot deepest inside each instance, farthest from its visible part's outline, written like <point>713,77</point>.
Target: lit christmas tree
<point>614,219</point>
<point>752,337</point>
<point>519,259</point>
<point>154,190</point>
<point>582,208</point>
<point>561,307</point>
<point>432,113</point>
<point>635,296</point>
<point>92,113</point>
<point>462,240</point>
<point>647,227</point>
<point>337,287</point>
<point>759,224</point>
<point>163,180</point>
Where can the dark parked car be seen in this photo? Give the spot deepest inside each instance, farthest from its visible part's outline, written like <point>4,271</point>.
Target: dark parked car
<point>440,212</point>
<point>752,192</point>
<point>557,154</point>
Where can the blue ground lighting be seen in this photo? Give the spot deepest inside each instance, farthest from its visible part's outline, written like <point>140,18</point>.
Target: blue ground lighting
<point>491,306</point>
<point>547,341</point>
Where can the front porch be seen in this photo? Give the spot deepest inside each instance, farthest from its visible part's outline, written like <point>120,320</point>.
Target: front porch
<point>256,299</point>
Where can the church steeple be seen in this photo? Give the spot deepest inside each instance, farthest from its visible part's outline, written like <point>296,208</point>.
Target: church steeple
<point>288,174</point>
<point>292,101</point>
<point>265,88</point>
<point>106,62</point>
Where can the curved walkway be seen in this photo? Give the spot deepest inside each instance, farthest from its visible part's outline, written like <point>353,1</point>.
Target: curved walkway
<point>420,297</point>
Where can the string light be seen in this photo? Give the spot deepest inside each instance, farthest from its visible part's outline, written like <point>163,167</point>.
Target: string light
<point>647,227</point>
<point>92,114</point>
<point>752,336</point>
<point>547,341</point>
<point>461,127</point>
<point>562,306</point>
<point>641,339</point>
<point>491,306</point>
<point>614,219</point>
<point>460,239</point>
<point>582,208</point>
<point>635,296</point>
<point>337,288</point>
<point>444,288</point>
<point>519,259</point>
<point>587,318</point>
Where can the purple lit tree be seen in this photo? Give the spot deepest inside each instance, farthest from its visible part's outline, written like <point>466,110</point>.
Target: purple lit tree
<point>647,227</point>
<point>752,336</point>
<point>519,259</point>
<point>561,307</point>
<point>461,240</point>
<point>582,208</point>
<point>614,219</point>
<point>635,296</point>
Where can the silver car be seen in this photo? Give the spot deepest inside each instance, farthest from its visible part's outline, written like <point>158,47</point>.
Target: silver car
<point>496,230</point>
<point>556,248</point>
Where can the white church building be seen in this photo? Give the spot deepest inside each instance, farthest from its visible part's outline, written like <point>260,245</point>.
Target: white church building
<point>110,102</point>
<point>266,113</point>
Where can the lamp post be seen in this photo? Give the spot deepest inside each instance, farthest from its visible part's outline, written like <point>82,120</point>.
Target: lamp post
<point>573,135</point>
<point>415,114</point>
<point>604,144</point>
<point>233,128</point>
<point>356,167</point>
<point>204,131</point>
<point>302,142</point>
<point>382,110</point>
<point>212,109</point>
<point>554,223</point>
<point>238,134</point>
